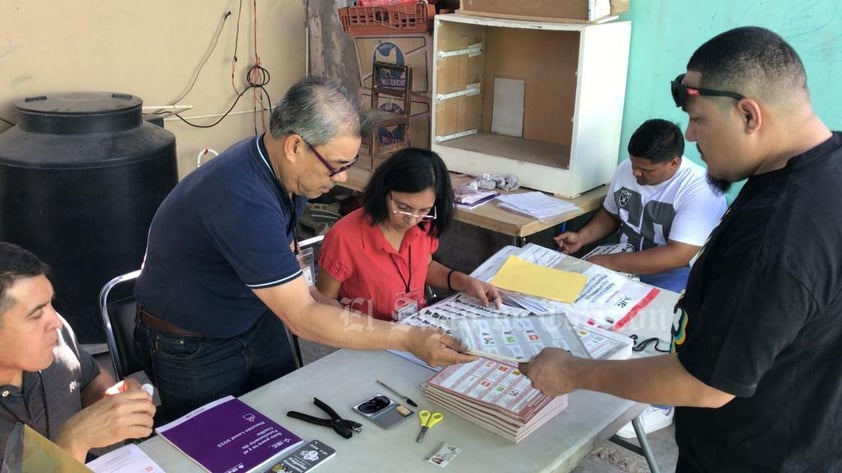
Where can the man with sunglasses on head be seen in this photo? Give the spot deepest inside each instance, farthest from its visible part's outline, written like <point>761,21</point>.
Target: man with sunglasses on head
<point>758,338</point>
<point>221,278</point>
<point>662,206</point>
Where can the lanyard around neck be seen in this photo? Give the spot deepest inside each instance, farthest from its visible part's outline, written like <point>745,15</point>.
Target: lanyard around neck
<point>407,282</point>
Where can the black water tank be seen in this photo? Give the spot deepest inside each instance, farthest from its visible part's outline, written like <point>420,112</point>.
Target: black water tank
<point>81,176</point>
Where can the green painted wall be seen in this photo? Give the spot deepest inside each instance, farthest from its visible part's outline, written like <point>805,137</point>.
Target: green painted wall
<point>666,32</point>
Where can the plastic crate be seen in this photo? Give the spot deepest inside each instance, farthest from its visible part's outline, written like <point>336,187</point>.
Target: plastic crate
<point>408,18</point>
<point>384,3</point>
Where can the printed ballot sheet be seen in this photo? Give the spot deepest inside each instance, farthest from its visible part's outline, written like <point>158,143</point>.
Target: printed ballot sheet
<point>465,314</point>
<point>518,339</point>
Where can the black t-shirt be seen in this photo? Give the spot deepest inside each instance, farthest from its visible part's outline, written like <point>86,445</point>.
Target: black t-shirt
<point>762,319</point>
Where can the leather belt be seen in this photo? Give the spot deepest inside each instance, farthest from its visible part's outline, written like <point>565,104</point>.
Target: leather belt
<point>160,325</point>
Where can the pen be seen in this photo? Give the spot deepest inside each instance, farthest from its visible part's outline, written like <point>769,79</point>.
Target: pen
<point>408,400</point>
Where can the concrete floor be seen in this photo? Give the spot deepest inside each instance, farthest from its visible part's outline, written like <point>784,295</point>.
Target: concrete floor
<point>608,458</point>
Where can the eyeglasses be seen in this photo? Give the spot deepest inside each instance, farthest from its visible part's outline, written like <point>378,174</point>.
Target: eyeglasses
<point>374,405</point>
<point>681,92</point>
<point>332,171</point>
<point>404,213</point>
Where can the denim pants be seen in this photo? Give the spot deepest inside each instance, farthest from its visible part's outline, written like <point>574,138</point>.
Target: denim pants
<point>191,371</point>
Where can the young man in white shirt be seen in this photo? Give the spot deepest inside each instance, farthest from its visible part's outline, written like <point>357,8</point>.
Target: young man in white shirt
<point>662,205</point>
<point>664,209</point>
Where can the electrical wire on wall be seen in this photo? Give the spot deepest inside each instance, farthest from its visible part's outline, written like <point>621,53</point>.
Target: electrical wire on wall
<point>204,59</point>
<point>257,77</point>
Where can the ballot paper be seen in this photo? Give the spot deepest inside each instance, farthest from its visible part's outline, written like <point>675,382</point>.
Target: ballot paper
<point>518,339</point>
<point>452,311</point>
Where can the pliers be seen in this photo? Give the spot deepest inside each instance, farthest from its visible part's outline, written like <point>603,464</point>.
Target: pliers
<point>343,427</point>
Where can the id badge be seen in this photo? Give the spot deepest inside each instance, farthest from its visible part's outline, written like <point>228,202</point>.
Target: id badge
<point>406,304</point>
<point>307,263</point>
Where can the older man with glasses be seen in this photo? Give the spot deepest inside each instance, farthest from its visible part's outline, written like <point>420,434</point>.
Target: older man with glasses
<point>221,278</point>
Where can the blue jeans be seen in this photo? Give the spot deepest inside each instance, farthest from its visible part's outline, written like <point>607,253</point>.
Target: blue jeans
<point>191,371</point>
<point>673,280</point>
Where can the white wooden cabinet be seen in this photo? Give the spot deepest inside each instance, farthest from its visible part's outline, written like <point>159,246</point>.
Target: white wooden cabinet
<point>560,94</point>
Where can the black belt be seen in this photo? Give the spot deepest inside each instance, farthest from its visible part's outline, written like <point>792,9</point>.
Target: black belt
<point>161,325</point>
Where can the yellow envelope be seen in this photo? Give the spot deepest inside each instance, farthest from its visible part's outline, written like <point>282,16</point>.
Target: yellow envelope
<point>533,279</point>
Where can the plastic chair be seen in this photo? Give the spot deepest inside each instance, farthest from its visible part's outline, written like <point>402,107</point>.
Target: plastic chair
<point>118,317</point>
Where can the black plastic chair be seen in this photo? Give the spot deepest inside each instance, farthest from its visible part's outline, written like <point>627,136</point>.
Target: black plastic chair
<point>118,318</point>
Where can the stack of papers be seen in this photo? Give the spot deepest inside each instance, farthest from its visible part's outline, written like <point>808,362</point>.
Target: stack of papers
<point>467,198</point>
<point>495,396</point>
<point>536,204</point>
<point>609,300</point>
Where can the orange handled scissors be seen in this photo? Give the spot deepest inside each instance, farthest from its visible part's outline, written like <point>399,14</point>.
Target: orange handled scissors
<point>428,420</point>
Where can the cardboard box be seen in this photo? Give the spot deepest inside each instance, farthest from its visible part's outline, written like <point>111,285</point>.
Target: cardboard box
<point>414,50</point>
<point>419,127</point>
<point>546,10</point>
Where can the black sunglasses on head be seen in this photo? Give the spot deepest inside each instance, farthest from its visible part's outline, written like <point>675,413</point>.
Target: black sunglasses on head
<point>681,92</point>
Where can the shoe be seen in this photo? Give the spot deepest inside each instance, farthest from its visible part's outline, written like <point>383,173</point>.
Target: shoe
<point>651,419</point>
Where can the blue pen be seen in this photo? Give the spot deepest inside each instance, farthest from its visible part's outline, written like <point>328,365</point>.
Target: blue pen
<point>562,227</point>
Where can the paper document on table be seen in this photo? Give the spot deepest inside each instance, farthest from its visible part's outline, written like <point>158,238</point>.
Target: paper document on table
<point>127,459</point>
<point>609,299</point>
<point>609,250</point>
<point>536,204</point>
<point>537,280</point>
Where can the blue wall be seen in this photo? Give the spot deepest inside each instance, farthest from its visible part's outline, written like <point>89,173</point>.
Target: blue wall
<point>666,32</point>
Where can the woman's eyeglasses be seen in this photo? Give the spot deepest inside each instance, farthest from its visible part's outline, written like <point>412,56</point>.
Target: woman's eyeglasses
<point>404,213</point>
<point>681,92</point>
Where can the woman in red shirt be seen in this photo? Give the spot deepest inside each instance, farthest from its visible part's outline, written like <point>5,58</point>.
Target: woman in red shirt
<point>378,259</point>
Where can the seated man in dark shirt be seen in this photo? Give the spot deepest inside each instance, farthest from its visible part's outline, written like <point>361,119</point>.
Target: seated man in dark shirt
<point>46,381</point>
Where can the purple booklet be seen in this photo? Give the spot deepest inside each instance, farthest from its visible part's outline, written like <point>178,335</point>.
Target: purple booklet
<point>228,435</point>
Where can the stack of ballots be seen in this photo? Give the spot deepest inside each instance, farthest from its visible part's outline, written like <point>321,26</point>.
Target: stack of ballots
<point>495,396</point>
<point>536,204</point>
